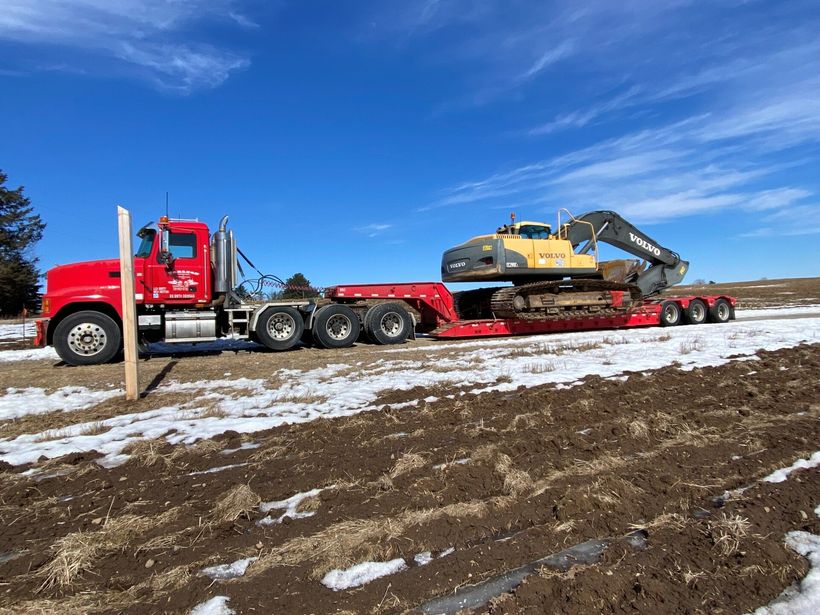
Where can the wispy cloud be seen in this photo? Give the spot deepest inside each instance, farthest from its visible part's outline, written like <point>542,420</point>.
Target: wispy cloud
<point>702,164</point>
<point>374,229</point>
<point>151,38</point>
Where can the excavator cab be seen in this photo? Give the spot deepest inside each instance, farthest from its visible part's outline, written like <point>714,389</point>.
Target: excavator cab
<point>527,230</point>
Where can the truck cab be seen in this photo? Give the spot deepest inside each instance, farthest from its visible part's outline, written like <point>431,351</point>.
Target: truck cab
<point>186,291</point>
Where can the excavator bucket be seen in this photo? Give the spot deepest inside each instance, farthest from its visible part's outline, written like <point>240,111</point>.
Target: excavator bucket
<point>622,270</point>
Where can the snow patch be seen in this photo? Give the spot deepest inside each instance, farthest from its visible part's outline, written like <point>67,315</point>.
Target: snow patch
<point>29,354</point>
<point>290,506</point>
<point>215,606</point>
<point>294,396</point>
<point>228,571</point>
<point>361,574</point>
<point>34,400</point>
<point>789,310</point>
<point>217,469</point>
<point>423,558</point>
<point>245,446</point>
<point>778,476</point>
<point>802,598</point>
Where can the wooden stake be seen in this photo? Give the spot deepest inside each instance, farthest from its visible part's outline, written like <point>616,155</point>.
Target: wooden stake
<point>129,305</point>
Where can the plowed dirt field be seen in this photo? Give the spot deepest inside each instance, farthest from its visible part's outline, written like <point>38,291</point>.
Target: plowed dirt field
<point>371,491</point>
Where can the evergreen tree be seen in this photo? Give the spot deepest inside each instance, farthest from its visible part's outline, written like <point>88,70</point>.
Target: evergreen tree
<point>20,229</point>
<point>298,286</point>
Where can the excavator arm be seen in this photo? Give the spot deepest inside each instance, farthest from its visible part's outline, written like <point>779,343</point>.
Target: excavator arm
<point>665,266</point>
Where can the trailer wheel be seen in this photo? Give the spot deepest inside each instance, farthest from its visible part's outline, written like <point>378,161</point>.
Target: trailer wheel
<point>696,313</point>
<point>670,314</point>
<point>721,311</point>
<point>336,326</point>
<point>87,338</point>
<point>280,328</point>
<point>387,323</point>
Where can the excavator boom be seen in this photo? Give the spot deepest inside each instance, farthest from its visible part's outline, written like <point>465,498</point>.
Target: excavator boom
<point>665,266</point>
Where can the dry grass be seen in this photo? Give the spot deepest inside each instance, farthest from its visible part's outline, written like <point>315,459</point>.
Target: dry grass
<point>407,463</point>
<point>311,504</point>
<point>348,542</point>
<point>516,482</point>
<point>238,502</point>
<point>77,552</point>
<point>728,532</point>
<point>638,429</point>
<point>540,368</point>
<point>674,521</point>
<point>522,421</point>
<point>147,453</point>
<point>689,346</point>
<point>384,483</point>
<point>484,453</point>
<point>201,448</point>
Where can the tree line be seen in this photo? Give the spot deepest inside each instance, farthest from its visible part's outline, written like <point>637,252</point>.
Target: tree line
<point>20,230</point>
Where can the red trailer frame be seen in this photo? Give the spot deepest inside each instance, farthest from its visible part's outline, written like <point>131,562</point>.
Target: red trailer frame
<point>434,302</point>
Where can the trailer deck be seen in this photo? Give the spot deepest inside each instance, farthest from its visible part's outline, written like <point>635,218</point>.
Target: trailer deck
<point>435,306</point>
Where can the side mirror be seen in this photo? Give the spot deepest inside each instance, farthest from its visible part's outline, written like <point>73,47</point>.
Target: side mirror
<point>165,255</point>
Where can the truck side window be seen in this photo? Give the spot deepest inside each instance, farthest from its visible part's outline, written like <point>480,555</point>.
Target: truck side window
<point>146,243</point>
<point>182,245</point>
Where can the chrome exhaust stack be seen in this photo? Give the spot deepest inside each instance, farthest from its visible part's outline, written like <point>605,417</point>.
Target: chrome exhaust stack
<point>223,258</point>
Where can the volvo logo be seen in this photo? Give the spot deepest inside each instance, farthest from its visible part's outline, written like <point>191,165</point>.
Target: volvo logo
<point>457,265</point>
<point>644,244</point>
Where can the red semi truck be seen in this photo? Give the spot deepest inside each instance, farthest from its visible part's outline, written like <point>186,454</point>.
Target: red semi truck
<point>186,292</point>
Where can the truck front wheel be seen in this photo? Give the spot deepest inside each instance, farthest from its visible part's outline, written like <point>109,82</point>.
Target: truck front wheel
<point>87,338</point>
<point>280,328</point>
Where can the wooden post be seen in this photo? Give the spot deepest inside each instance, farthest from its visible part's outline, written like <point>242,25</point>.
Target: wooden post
<point>129,305</point>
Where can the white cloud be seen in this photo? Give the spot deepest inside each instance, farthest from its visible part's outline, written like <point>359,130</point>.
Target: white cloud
<point>151,37</point>
<point>373,230</point>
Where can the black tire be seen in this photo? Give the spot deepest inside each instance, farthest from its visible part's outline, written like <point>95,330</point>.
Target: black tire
<point>336,326</point>
<point>387,323</point>
<point>721,311</point>
<point>87,338</point>
<point>280,328</point>
<point>696,312</point>
<point>670,314</point>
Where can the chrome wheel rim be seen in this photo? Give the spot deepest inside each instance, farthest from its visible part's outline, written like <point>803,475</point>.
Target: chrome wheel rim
<point>723,311</point>
<point>391,324</point>
<point>338,327</point>
<point>698,313</point>
<point>87,339</point>
<point>281,326</point>
<point>670,314</point>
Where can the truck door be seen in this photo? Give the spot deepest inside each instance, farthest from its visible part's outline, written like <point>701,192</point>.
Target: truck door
<point>185,278</point>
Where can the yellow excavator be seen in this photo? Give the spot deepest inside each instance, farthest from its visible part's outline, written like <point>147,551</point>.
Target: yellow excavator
<point>557,274</point>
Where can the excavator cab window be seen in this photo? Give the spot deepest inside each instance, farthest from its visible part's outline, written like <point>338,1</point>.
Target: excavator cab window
<point>534,231</point>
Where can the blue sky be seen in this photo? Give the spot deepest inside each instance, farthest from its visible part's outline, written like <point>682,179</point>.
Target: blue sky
<point>355,141</point>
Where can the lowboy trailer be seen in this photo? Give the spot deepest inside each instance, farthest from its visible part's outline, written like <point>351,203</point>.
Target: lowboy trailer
<point>434,309</point>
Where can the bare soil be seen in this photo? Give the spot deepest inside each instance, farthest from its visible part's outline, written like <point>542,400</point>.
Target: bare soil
<point>502,478</point>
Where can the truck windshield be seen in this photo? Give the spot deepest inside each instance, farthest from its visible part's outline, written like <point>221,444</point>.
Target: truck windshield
<point>147,236</point>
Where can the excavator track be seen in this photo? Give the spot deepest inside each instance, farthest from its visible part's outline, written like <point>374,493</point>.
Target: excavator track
<point>564,299</point>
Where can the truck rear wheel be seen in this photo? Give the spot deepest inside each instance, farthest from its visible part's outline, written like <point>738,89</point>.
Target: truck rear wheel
<point>696,312</point>
<point>670,314</point>
<point>280,328</point>
<point>87,338</point>
<point>336,326</point>
<point>721,311</point>
<point>387,323</point>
